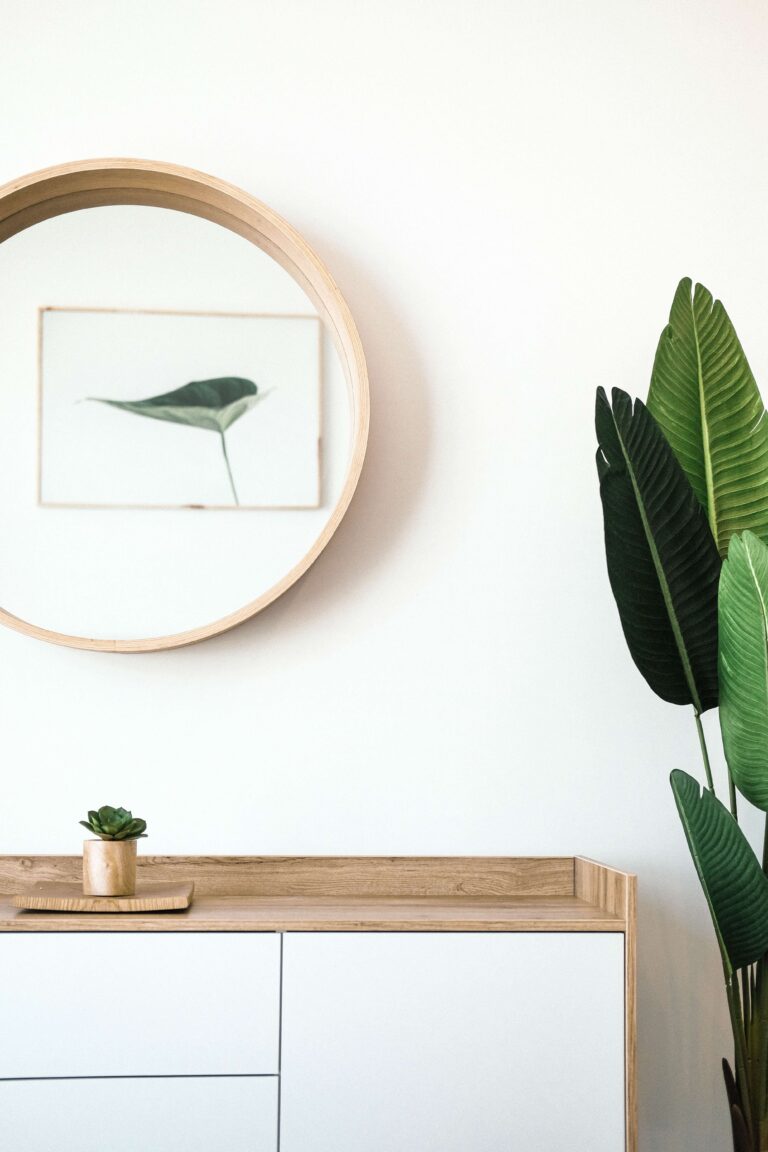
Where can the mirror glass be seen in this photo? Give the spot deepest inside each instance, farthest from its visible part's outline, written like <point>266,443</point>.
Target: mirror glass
<point>175,424</point>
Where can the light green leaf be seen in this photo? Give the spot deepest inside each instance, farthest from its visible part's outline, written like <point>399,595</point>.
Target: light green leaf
<point>733,881</point>
<point>213,404</point>
<point>743,616</point>
<point>704,397</point>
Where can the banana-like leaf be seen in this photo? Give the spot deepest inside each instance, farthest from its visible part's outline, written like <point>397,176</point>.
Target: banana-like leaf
<point>743,614</point>
<point>662,560</point>
<point>733,881</point>
<point>212,404</point>
<point>704,397</point>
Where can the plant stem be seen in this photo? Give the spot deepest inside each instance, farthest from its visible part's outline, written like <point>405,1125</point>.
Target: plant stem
<point>760,1026</point>
<point>740,1047</point>
<point>746,1005</point>
<point>229,470</point>
<point>732,797</point>
<point>704,753</point>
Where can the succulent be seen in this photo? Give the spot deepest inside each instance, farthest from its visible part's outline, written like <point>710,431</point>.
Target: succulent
<point>114,824</point>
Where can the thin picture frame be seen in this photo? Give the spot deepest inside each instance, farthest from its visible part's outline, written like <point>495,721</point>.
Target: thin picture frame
<point>207,507</point>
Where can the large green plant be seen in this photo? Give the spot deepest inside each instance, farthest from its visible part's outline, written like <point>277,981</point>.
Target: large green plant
<point>684,489</point>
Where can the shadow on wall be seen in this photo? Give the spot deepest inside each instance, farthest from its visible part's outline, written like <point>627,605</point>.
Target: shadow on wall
<point>394,468</point>
<point>678,968</point>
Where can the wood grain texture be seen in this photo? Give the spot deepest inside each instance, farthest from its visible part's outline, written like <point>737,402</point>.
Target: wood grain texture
<point>356,876</point>
<point>91,183</point>
<point>109,867</point>
<point>70,898</point>
<point>336,914</point>
<point>616,892</point>
<point>344,893</point>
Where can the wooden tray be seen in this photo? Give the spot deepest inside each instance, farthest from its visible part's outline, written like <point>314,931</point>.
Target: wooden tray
<point>50,897</point>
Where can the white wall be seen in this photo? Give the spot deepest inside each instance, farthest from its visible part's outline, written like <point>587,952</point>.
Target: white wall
<point>507,193</point>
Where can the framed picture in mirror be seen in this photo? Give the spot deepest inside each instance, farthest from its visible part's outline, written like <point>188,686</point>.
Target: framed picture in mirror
<point>254,381</point>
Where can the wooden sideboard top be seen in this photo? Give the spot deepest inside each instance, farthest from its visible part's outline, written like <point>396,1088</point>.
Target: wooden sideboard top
<point>347,894</point>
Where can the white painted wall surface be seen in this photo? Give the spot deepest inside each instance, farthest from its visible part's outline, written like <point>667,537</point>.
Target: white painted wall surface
<point>507,193</point>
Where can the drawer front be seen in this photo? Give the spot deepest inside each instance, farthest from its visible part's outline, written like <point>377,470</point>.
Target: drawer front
<point>448,1042</point>
<point>139,1004</point>
<point>167,1115</point>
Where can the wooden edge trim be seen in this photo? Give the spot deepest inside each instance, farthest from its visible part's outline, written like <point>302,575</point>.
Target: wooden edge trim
<point>82,184</point>
<point>616,892</point>
<point>350,876</point>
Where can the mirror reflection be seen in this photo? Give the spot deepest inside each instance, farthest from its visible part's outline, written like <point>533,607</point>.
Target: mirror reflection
<point>175,425</point>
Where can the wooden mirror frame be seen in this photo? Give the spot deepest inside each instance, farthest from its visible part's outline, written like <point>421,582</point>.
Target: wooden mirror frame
<point>92,183</point>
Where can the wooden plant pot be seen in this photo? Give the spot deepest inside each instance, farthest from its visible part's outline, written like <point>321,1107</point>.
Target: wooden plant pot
<point>109,867</point>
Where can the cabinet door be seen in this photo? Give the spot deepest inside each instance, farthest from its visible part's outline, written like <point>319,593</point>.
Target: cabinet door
<point>213,1114</point>
<point>138,1003</point>
<point>476,1042</point>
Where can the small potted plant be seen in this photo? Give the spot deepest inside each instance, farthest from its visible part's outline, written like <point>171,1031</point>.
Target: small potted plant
<point>109,862</point>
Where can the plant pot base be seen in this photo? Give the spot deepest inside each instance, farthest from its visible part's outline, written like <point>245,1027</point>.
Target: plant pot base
<point>109,867</point>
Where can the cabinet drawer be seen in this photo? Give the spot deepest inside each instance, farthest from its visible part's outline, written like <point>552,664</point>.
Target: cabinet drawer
<point>139,1004</point>
<point>167,1115</point>
<point>450,1042</point>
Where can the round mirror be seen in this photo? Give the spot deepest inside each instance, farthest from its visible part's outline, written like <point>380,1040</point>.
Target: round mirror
<point>183,406</point>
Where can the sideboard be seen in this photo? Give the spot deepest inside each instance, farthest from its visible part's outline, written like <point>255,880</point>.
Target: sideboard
<point>328,1004</point>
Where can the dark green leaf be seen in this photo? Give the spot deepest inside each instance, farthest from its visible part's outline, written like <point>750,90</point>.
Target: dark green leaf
<point>212,404</point>
<point>740,1132</point>
<point>731,1090</point>
<point>741,1140</point>
<point>662,560</point>
<point>109,820</point>
<point>132,830</point>
<point>733,881</point>
<point>705,399</point>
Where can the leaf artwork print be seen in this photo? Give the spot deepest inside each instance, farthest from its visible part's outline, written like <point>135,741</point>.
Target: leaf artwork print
<point>211,404</point>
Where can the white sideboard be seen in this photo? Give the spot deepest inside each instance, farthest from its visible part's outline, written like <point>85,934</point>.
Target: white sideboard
<point>440,1010</point>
